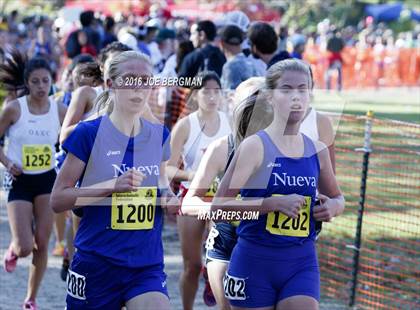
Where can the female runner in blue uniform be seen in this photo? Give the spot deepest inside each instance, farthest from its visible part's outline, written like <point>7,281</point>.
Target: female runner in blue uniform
<point>118,161</point>
<point>249,116</point>
<point>280,181</point>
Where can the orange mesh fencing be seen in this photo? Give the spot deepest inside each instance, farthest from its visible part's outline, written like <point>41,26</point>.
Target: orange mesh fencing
<point>389,265</point>
<point>365,67</point>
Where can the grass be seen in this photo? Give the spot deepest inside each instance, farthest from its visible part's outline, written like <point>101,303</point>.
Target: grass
<point>389,257</point>
<point>396,103</point>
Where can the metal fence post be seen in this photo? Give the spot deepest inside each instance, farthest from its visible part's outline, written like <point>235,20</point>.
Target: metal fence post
<point>358,237</point>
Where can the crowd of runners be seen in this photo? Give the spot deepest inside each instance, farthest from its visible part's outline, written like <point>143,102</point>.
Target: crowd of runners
<point>102,160</point>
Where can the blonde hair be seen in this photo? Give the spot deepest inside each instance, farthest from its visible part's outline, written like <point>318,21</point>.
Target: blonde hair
<point>112,71</point>
<point>251,112</point>
<point>276,71</point>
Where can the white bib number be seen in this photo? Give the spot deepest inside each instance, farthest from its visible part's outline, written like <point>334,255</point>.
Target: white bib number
<point>210,239</point>
<point>234,287</point>
<point>76,285</point>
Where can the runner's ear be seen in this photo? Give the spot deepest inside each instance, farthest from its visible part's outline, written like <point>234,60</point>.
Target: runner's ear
<point>267,94</point>
<point>109,83</point>
<point>202,35</point>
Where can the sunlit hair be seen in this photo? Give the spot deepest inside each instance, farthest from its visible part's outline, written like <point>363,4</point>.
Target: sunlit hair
<point>113,71</point>
<point>251,112</point>
<point>16,70</point>
<point>276,71</point>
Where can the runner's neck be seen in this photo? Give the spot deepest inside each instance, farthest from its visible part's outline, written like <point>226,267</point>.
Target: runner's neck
<point>38,104</point>
<point>128,124</point>
<point>207,117</point>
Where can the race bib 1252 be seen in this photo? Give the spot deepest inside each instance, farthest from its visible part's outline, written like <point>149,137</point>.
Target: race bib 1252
<point>36,157</point>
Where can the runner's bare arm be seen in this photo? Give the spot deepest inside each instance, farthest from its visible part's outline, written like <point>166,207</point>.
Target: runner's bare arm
<point>213,162</point>
<point>240,170</point>
<point>8,116</point>
<point>65,196</point>
<point>79,105</point>
<point>170,202</point>
<point>179,138</point>
<point>332,200</point>
<point>326,135</point>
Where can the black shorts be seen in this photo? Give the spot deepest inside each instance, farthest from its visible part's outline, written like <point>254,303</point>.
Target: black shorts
<point>28,186</point>
<point>220,242</point>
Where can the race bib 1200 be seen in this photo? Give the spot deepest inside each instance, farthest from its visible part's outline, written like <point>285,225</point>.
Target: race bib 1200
<point>76,285</point>
<point>134,210</point>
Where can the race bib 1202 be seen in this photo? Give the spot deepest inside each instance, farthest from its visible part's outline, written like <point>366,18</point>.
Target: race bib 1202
<point>280,224</point>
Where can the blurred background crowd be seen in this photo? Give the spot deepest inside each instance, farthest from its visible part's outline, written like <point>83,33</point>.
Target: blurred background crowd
<point>360,44</point>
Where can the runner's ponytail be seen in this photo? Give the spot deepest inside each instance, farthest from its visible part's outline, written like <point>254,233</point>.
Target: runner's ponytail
<point>12,71</point>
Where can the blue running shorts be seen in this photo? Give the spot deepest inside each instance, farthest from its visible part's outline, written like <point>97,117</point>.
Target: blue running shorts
<point>94,283</point>
<point>259,276</point>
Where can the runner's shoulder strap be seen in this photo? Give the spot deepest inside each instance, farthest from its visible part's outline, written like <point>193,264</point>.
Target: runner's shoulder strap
<point>231,150</point>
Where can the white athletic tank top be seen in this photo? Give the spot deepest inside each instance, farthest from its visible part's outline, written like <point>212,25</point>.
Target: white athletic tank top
<point>309,126</point>
<point>198,141</point>
<point>32,139</point>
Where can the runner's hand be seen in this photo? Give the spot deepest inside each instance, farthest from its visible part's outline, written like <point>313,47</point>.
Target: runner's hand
<point>129,181</point>
<point>324,212</point>
<point>171,203</point>
<point>289,205</point>
<point>14,169</point>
